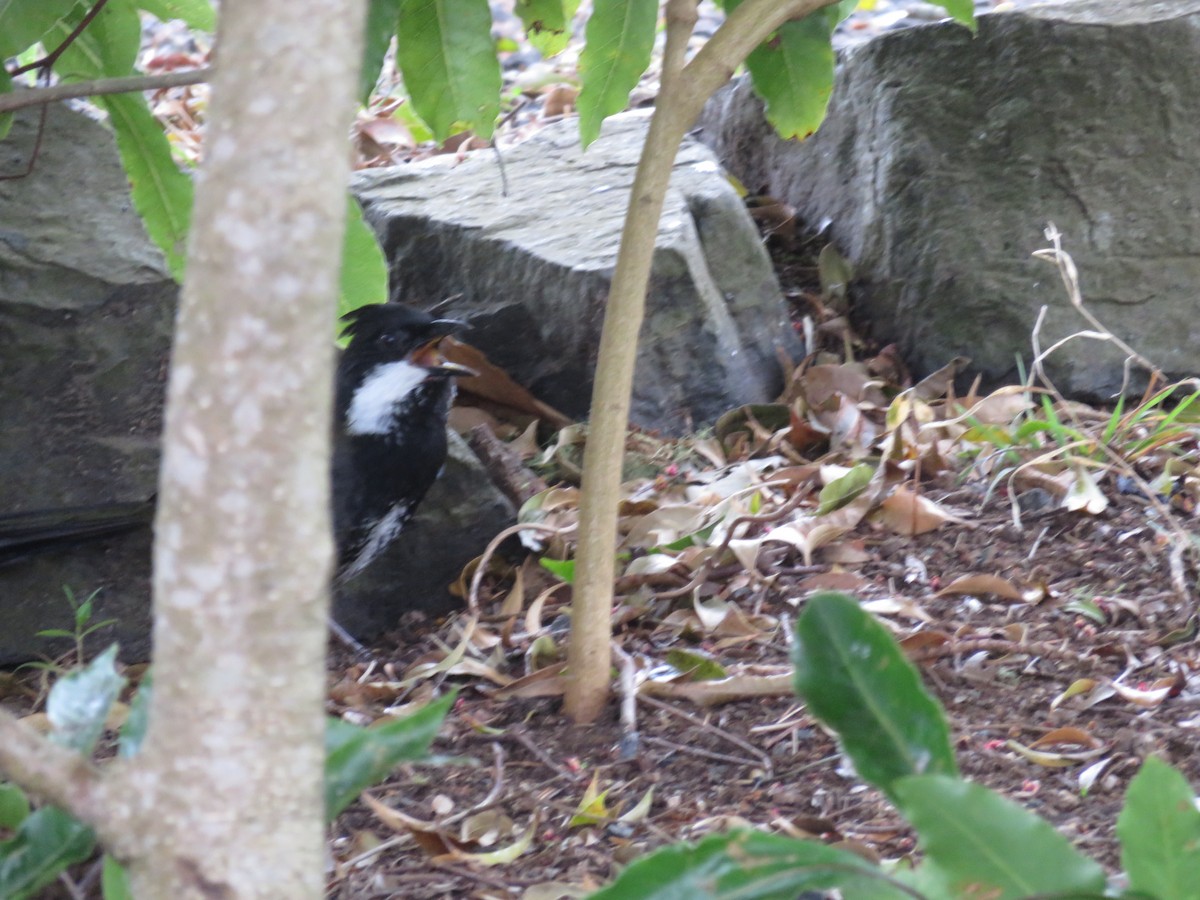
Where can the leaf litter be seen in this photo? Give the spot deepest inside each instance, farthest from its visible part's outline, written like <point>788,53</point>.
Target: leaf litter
<point>1032,555</point>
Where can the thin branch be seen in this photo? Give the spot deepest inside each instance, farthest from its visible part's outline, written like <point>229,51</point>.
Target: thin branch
<point>20,99</point>
<point>51,58</point>
<point>54,773</point>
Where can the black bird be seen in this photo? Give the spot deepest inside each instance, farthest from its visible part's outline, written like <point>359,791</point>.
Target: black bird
<point>394,390</point>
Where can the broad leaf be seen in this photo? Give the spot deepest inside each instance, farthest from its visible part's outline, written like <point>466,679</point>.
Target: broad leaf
<point>449,64</point>
<point>547,23</point>
<point>382,18</point>
<point>356,758</point>
<point>747,865</point>
<point>6,118</point>
<point>114,880</point>
<point>793,73</point>
<point>14,806</point>
<point>364,270</point>
<point>857,681</point>
<point>23,23</point>
<point>198,14</point>
<point>45,844</point>
<point>1159,830</point>
<point>79,702</point>
<point>962,10</point>
<point>108,47</point>
<point>133,732</point>
<point>620,36</point>
<point>989,846</point>
<point>161,193</point>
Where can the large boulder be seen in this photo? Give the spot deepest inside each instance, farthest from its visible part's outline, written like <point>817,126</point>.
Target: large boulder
<point>86,316</point>
<point>944,156</point>
<point>530,246</point>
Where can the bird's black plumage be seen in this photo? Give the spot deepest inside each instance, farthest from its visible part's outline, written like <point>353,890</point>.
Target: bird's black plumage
<point>394,391</point>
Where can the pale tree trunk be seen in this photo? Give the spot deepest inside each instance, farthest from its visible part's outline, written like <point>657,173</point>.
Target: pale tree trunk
<point>225,798</point>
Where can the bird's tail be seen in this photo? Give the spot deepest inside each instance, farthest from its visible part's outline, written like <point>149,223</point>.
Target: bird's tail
<point>39,531</point>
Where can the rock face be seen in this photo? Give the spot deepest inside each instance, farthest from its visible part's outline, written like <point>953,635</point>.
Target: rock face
<point>944,156</point>
<point>86,315</point>
<point>533,269</point>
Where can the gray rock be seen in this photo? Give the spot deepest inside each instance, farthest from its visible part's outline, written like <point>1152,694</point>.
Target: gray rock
<point>533,269</point>
<point>944,156</point>
<point>86,314</point>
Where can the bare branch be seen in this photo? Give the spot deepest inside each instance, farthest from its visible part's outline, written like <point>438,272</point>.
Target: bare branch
<point>20,99</point>
<point>54,773</point>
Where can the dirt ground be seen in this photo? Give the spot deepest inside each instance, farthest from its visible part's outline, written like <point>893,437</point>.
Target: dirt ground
<point>1098,612</point>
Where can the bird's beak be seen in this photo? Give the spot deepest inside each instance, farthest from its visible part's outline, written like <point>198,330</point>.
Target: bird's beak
<point>430,357</point>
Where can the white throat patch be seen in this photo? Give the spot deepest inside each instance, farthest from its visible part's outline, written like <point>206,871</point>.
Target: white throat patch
<point>374,404</point>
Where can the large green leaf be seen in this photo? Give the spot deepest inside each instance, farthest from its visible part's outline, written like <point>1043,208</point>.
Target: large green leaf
<point>989,846</point>
<point>197,14</point>
<point>14,806</point>
<point>23,23</point>
<point>620,36</point>
<point>382,18</point>
<point>364,270</point>
<point>857,681</point>
<point>793,73</point>
<point>547,23</point>
<point>45,844</point>
<point>80,701</point>
<point>962,10</point>
<point>1159,830</point>
<point>449,63</point>
<point>6,118</point>
<point>356,758</point>
<point>114,881</point>
<point>747,865</point>
<point>108,47</point>
<point>161,193</point>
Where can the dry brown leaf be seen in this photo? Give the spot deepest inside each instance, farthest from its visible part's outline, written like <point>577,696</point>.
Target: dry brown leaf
<point>909,513</point>
<point>723,690</point>
<point>979,585</point>
<point>494,384</point>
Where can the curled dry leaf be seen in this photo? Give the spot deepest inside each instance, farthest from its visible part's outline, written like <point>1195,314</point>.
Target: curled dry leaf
<point>906,512</point>
<point>978,585</point>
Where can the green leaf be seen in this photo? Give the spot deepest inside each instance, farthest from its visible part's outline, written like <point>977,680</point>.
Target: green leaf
<point>961,10</point>
<point>198,14</point>
<point>449,65</point>
<point>6,118</point>
<point>620,36</point>
<point>108,47</point>
<point>356,758</point>
<point>45,844</point>
<point>697,666</point>
<point>1159,830</point>
<point>989,846</point>
<point>856,680</point>
<point>744,865</point>
<point>161,193</point>
<point>793,73</point>
<point>842,490</point>
<point>23,23</point>
<point>364,270</point>
<point>382,18</point>
<point>547,23</point>
<point>14,806</point>
<point>133,732</point>
<point>562,568</point>
<point>114,881</point>
<point>79,702</point>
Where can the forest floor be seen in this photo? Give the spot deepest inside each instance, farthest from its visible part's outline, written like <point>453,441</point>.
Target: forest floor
<point>1037,585</point>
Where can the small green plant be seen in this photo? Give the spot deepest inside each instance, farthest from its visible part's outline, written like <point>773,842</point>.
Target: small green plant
<point>975,843</point>
<point>82,624</point>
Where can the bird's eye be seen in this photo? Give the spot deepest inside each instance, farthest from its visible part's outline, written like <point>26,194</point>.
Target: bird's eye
<point>387,339</point>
